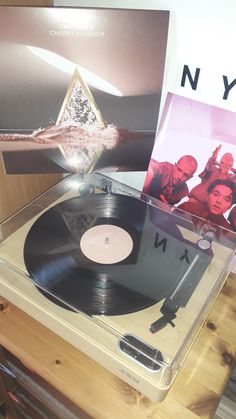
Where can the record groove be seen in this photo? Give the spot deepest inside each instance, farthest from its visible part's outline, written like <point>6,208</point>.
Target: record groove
<point>55,261</point>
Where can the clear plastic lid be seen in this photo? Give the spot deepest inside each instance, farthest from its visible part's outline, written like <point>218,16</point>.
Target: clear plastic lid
<point>131,273</point>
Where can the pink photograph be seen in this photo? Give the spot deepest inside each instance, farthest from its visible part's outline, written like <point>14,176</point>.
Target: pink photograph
<point>193,163</point>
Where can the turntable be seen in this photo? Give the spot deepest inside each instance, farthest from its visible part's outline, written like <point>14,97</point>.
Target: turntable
<point>121,276</point>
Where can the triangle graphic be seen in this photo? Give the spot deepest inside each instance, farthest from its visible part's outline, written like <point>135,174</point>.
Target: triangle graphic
<point>79,105</point>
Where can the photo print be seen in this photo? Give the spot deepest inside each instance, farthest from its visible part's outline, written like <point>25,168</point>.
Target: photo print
<point>193,163</point>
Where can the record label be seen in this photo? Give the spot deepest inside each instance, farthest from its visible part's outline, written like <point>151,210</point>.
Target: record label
<point>106,244</point>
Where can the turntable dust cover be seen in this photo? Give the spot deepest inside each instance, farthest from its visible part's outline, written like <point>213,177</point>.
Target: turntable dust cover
<point>193,163</point>
<point>80,88</point>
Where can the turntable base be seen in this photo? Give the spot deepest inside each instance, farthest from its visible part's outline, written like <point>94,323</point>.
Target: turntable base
<point>195,393</point>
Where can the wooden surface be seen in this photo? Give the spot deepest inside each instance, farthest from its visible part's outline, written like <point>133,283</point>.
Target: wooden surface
<point>17,190</point>
<point>195,393</point>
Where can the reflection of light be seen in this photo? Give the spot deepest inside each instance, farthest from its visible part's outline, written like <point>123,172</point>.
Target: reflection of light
<point>73,162</point>
<point>68,66</point>
<point>74,183</point>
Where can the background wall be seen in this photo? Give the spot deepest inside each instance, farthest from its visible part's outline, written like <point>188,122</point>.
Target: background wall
<point>202,35</point>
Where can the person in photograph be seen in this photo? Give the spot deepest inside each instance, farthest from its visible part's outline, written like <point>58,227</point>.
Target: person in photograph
<point>221,197</point>
<point>213,170</point>
<point>167,182</point>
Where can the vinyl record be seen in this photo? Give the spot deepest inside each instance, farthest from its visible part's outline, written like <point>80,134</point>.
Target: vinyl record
<point>104,254</point>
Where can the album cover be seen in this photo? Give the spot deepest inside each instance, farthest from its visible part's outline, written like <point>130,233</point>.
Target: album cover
<point>193,166</point>
<point>80,88</point>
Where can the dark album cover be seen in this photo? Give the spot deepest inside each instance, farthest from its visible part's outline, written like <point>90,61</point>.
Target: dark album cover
<point>80,88</point>
<point>193,163</point>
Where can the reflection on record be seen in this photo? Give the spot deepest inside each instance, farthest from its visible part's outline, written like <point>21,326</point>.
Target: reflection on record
<point>149,268</point>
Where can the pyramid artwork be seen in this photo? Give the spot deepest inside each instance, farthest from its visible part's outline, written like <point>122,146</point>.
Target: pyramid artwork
<point>79,105</point>
<point>80,110</point>
<point>91,99</point>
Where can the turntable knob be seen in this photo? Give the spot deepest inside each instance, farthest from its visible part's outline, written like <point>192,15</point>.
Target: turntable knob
<point>205,242</point>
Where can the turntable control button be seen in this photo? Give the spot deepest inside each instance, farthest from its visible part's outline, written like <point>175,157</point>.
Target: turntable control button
<point>141,352</point>
<point>204,244</point>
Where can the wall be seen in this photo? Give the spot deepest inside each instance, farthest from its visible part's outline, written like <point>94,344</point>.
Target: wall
<point>202,35</point>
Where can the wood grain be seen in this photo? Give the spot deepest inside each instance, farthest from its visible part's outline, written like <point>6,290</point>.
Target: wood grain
<point>195,393</point>
<point>17,190</point>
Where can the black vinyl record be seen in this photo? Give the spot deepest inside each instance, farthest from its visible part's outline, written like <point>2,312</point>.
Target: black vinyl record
<point>56,263</point>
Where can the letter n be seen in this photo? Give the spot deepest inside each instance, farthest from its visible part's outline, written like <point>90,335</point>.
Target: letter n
<point>162,242</point>
<point>192,81</point>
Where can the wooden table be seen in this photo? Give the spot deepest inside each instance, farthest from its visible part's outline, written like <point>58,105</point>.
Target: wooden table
<point>195,393</point>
